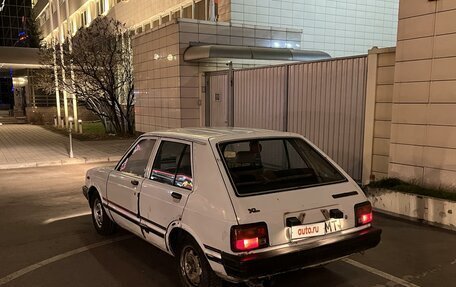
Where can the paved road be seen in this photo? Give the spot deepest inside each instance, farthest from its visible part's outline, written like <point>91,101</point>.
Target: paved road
<point>43,219</point>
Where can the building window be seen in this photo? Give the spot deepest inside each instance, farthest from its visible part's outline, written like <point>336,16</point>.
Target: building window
<point>187,12</point>
<point>200,11</point>
<point>102,6</point>
<point>176,14</point>
<point>165,19</point>
<point>46,14</point>
<point>84,18</point>
<point>74,27</point>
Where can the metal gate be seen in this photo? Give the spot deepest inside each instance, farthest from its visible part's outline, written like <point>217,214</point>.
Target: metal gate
<point>324,101</point>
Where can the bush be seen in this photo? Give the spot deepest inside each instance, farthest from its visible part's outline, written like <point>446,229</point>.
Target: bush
<point>410,187</point>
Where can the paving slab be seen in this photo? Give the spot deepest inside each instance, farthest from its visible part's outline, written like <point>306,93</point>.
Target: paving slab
<point>23,146</point>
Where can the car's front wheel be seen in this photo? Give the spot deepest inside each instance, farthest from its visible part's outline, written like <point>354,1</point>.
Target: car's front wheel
<point>101,221</point>
<point>194,270</point>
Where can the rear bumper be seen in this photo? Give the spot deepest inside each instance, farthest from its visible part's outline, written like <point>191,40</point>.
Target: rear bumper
<point>296,257</point>
<point>85,191</point>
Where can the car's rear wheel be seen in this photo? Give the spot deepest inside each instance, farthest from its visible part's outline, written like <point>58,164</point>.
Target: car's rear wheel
<point>101,221</point>
<point>194,269</point>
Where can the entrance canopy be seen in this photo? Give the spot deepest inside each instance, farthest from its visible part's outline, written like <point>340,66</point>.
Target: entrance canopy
<point>218,53</point>
<point>19,58</point>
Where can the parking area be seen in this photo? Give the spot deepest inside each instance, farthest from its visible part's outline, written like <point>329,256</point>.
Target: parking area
<point>47,239</point>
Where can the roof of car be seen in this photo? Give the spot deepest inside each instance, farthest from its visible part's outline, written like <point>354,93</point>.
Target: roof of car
<point>206,134</point>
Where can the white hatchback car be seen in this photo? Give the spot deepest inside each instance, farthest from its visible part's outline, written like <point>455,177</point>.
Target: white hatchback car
<point>238,204</point>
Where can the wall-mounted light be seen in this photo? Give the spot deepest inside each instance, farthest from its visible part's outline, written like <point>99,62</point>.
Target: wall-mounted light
<point>170,57</point>
<point>20,81</point>
<point>156,56</point>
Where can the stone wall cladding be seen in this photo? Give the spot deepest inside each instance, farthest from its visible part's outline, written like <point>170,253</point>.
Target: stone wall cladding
<point>423,147</point>
<point>169,91</point>
<point>383,106</point>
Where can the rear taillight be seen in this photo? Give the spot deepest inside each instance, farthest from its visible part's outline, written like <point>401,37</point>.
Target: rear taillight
<point>249,237</point>
<point>363,213</point>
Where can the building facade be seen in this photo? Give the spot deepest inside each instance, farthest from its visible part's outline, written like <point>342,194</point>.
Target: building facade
<point>13,21</point>
<point>413,98</point>
<point>14,32</point>
<point>170,84</point>
<point>337,27</point>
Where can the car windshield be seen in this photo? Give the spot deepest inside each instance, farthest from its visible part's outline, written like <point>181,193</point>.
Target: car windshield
<point>270,165</point>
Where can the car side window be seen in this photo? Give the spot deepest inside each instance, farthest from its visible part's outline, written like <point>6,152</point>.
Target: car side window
<point>137,160</point>
<point>172,165</point>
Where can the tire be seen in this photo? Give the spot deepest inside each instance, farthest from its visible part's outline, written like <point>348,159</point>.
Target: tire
<point>193,268</point>
<point>101,221</point>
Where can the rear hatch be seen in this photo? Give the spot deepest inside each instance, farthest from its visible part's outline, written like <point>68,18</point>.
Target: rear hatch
<point>290,185</point>
<point>301,214</point>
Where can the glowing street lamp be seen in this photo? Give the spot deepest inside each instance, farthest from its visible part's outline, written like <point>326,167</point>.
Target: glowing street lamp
<point>80,126</point>
<point>70,120</point>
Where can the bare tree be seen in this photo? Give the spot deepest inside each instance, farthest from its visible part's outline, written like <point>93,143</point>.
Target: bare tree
<point>101,59</point>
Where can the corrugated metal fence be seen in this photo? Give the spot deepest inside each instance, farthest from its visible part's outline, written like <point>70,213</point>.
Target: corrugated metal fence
<point>260,98</point>
<point>324,101</point>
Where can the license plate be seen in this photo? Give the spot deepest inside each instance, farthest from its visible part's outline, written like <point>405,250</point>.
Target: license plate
<point>333,225</point>
<point>315,229</point>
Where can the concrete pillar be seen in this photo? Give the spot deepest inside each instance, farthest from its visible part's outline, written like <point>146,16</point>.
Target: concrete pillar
<point>60,31</point>
<point>56,74</point>
<point>70,45</point>
<point>369,118</point>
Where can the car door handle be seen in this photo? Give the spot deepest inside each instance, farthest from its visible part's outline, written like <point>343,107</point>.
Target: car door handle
<point>134,182</point>
<point>176,195</point>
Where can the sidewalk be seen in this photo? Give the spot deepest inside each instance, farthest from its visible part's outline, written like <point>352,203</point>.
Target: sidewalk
<point>33,146</point>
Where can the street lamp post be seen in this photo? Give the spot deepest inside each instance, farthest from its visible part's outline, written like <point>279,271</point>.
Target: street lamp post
<point>70,120</point>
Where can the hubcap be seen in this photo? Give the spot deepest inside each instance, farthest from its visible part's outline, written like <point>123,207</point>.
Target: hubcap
<point>190,266</point>
<point>98,213</point>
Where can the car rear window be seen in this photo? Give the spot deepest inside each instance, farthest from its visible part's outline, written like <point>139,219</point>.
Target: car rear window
<point>269,165</point>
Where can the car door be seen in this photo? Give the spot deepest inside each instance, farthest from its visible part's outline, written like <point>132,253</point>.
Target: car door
<point>125,182</point>
<point>164,193</point>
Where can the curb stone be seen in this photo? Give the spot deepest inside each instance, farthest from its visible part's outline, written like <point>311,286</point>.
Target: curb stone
<point>59,162</point>
<point>433,211</point>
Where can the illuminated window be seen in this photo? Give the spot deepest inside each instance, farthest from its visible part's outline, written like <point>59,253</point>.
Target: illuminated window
<point>74,27</point>
<point>102,6</point>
